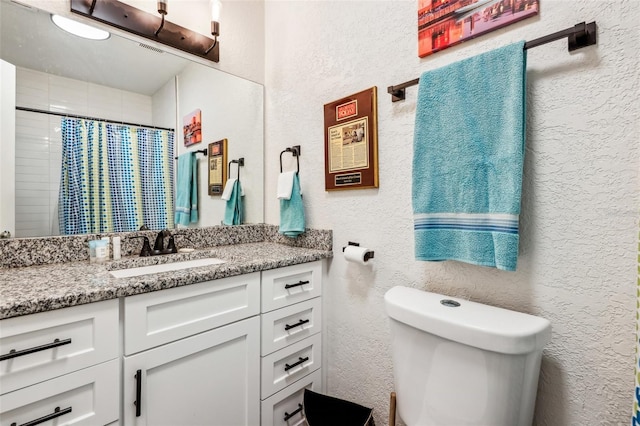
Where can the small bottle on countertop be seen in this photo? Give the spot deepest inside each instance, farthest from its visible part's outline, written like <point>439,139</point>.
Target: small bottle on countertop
<point>108,240</point>
<point>102,250</point>
<point>115,242</point>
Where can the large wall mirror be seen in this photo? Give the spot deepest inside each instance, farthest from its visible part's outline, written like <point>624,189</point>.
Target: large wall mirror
<point>121,80</point>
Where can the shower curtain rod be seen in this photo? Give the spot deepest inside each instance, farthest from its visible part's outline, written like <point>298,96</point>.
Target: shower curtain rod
<point>62,114</point>
<point>580,35</point>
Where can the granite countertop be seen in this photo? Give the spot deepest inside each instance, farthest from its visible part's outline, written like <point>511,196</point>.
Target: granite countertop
<point>42,288</point>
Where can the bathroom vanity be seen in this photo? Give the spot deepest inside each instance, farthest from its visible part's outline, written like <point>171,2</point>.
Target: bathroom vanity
<point>234,343</point>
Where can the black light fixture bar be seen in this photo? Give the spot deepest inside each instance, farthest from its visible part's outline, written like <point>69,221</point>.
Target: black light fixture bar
<point>143,24</point>
<point>579,36</point>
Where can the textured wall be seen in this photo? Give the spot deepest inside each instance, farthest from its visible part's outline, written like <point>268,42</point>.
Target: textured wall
<point>580,195</point>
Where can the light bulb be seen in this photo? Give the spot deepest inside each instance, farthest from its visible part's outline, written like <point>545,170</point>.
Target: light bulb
<point>216,8</point>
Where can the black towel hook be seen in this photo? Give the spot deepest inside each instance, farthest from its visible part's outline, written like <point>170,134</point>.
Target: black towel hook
<point>239,162</point>
<point>295,151</point>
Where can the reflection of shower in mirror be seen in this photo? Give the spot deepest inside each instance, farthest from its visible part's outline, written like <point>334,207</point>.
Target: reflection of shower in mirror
<point>119,81</point>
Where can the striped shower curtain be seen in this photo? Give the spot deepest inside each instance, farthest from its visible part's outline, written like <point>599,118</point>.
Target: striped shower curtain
<point>114,178</point>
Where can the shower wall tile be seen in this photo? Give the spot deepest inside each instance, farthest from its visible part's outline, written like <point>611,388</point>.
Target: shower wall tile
<point>33,90</point>
<point>137,108</point>
<point>105,102</point>
<point>67,95</point>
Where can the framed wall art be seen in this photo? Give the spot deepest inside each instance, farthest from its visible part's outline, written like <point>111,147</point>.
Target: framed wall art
<point>351,142</point>
<point>445,23</point>
<point>217,170</point>
<point>192,128</point>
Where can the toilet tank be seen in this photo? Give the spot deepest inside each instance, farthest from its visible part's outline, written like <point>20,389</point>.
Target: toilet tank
<point>459,363</point>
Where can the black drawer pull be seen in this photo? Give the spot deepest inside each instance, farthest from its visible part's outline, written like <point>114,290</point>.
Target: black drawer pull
<point>13,353</point>
<point>288,327</point>
<point>287,416</point>
<point>138,401</point>
<point>56,413</point>
<point>299,283</point>
<point>288,367</point>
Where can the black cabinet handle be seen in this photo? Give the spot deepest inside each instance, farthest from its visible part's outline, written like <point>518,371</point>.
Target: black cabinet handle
<point>138,401</point>
<point>288,327</point>
<point>288,367</point>
<point>56,413</point>
<point>299,283</point>
<point>287,416</point>
<point>13,353</point>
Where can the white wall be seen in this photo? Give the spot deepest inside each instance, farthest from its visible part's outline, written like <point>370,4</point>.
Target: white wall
<point>580,194</point>
<point>38,142</point>
<point>7,147</point>
<point>239,121</point>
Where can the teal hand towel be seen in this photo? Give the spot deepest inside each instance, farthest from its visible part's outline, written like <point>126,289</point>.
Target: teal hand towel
<point>468,155</point>
<point>233,212</point>
<point>292,212</point>
<point>187,189</point>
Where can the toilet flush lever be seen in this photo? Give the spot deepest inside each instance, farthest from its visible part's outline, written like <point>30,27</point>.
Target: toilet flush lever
<point>450,303</point>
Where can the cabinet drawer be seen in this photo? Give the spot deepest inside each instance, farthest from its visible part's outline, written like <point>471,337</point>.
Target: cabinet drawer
<point>291,324</point>
<point>290,364</point>
<point>160,317</point>
<point>285,407</point>
<point>86,334</point>
<point>285,286</point>
<point>86,397</point>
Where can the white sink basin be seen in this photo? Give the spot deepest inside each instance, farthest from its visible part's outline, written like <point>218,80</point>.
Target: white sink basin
<point>165,267</point>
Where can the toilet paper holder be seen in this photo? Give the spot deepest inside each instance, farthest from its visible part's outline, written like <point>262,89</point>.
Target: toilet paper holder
<point>368,255</point>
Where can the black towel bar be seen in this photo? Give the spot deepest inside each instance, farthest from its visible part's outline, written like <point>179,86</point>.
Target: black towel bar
<point>239,162</point>
<point>580,35</point>
<point>295,151</point>
<point>200,151</point>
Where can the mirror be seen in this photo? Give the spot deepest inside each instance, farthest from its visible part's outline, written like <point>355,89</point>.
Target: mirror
<point>123,80</point>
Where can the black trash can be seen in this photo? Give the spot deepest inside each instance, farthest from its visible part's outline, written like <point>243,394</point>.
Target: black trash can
<point>323,410</point>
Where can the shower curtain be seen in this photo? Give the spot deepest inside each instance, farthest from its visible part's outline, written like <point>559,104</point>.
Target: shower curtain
<point>114,178</point>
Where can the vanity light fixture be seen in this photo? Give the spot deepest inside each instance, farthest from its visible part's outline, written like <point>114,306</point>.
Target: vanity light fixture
<point>79,29</point>
<point>162,10</point>
<point>151,26</point>
<point>216,7</point>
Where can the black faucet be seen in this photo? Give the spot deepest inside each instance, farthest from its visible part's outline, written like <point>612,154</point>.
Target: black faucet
<point>158,247</point>
<point>146,247</point>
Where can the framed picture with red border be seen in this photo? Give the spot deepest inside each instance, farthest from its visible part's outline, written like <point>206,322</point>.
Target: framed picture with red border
<point>351,142</point>
<point>445,23</point>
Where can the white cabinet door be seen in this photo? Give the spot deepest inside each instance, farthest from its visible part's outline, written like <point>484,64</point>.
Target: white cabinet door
<point>212,378</point>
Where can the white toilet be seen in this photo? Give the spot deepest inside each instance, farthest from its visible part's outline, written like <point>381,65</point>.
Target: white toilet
<point>459,363</point>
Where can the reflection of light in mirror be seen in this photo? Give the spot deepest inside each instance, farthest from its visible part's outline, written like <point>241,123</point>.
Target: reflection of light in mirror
<point>59,106</point>
<point>79,29</point>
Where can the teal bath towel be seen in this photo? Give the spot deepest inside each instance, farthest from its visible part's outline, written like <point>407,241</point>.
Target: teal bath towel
<point>187,189</point>
<point>234,209</point>
<point>468,156</point>
<point>292,212</point>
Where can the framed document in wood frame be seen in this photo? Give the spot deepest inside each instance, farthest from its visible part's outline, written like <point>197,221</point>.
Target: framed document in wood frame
<point>217,166</point>
<point>351,142</point>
